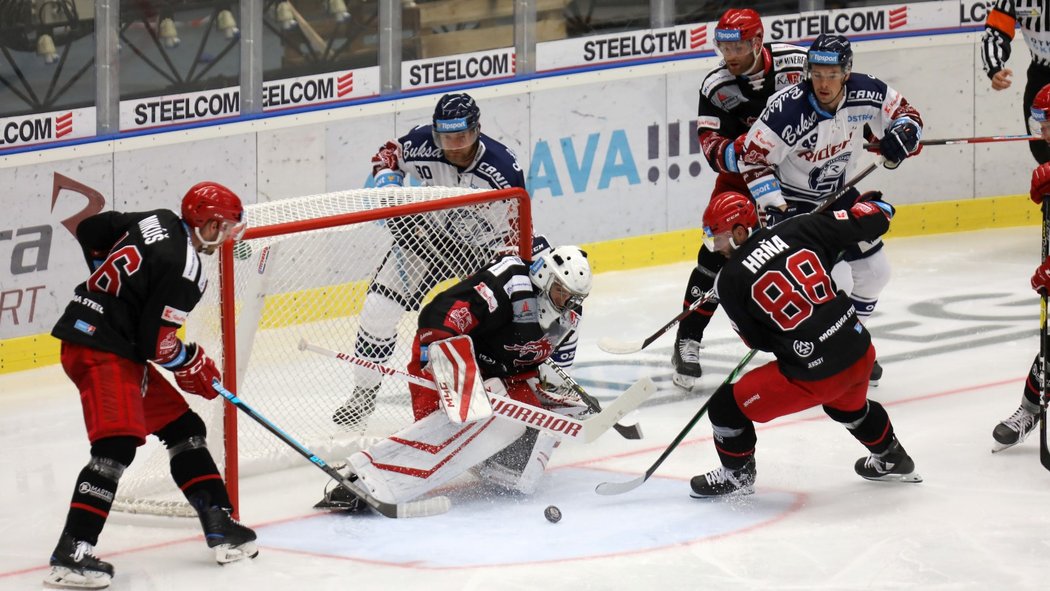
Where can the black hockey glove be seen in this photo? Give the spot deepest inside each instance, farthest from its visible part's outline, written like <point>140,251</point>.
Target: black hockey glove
<point>774,215</point>
<point>899,141</point>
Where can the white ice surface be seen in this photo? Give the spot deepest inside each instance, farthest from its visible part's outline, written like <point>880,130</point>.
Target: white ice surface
<point>955,330</point>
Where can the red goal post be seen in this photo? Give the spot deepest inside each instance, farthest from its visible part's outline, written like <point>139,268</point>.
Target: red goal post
<point>303,269</point>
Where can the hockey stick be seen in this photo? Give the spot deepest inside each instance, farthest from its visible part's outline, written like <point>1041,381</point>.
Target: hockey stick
<point>1044,349</point>
<point>621,347</point>
<point>627,431</point>
<point>424,508</point>
<point>618,488</point>
<point>969,140</point>
<point>561,426</point>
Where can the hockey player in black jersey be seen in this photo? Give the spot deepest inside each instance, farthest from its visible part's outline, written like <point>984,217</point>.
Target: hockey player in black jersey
<point>489,333</point>
<point>732,97</point>
<point>777,290</point>
<point>120,326</point>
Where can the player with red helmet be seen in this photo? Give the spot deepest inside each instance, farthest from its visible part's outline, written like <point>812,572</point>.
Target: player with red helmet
<point>1016,428</point>
<point>731,98</point>
<point>777,290</point>
<point>120,326</point>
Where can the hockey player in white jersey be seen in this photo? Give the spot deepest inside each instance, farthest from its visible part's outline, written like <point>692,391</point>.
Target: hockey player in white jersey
<point>451,152</point>
<point>805,146</point>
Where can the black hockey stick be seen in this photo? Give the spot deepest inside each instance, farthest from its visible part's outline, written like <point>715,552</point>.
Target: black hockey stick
<point>627,431</point>
<point>424,508</point>
<point>1044,349</point>
<point>617,488</point>
<point>621,347</point>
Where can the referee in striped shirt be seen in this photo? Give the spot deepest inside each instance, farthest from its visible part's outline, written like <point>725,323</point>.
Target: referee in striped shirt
<point>1033,16</point>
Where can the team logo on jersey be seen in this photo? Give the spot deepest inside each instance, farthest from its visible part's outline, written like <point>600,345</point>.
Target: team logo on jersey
<point>802,348</point>
<point>841,215</point>
<point>460,318</point>
<point>487,295</point>
<point>829,177</point>
<point>534,351</point>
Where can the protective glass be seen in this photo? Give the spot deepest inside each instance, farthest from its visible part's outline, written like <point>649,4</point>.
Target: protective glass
<point>716,242</point>
<point>733,48</point>
<point>457,139</point>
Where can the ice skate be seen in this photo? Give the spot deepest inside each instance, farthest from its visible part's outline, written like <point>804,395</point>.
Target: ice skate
<point>74,566</point>
<point>1015,429</point>
<point>231,540</point>
<point>354,413</point>
<point>893,465</point>
<point>722,482</point>
<point>686,362</point>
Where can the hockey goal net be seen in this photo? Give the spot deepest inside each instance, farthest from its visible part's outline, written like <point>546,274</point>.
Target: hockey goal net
<point>302,272</point>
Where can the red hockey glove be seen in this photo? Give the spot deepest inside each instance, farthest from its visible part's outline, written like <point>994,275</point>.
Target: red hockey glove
<point>1040,183</point>
<point>385,158</point>
<point>1041,278</point>
<point>195,376</point>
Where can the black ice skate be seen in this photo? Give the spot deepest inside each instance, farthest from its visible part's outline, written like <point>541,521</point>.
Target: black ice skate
<point>722,482</point>
<point>686,362</point>
<point>1015,429</point>
<point>231,540</point>
<point>354,413</point>
<point>339,498</point>
<point>894,465</point>
<point>73,566</point>
<point>876,374</point>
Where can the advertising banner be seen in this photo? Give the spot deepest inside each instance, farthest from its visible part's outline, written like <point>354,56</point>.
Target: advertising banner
<point>495,64</point>
<point>41,129</point>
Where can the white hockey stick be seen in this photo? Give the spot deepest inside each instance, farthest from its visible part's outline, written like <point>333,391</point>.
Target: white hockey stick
<point>561,426</point>
<point>423,508</point>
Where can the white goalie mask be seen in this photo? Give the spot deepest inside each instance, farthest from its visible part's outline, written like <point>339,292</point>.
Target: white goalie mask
<point>563,277</point>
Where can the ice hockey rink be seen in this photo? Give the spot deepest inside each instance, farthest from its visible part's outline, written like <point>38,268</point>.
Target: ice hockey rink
<point>955,330</point>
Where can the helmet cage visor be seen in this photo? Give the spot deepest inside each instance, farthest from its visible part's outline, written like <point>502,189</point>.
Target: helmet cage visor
<point>228,230</point>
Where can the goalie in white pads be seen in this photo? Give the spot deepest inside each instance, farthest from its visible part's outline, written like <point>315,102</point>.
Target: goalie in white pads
<point>488,333</point>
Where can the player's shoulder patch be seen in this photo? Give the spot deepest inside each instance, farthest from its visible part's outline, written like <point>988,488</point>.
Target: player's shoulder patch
<point>841,215</point>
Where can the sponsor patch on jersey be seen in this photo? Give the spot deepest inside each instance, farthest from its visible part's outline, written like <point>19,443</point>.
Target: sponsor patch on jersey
<point>709,122</point>
<point>487,295</point>
<point>517,284</point>
<point>174,315</point>
<point>168,344</point>
<point>84,327</point>
<point>525,311</point>
<point>841,215</point>
<point>460,318</point>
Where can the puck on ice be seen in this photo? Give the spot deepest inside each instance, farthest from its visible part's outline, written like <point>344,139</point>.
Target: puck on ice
<point>552,513</point>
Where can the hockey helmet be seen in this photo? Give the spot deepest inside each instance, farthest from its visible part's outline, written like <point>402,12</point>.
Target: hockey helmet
<point>830,50</point>
<point>456,122</point>
<point>725,212</point>
<point>1041,105</point>
<point>563,278</point>
<point>739,24</point>
<point>208,201</point>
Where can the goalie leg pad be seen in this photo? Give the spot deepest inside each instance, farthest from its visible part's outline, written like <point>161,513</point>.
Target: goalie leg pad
<point>461,390</point>
<point>427,454</point>
<point>520,466</point>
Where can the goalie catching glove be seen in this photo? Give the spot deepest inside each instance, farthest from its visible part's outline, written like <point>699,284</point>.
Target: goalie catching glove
<point>194,371</point>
